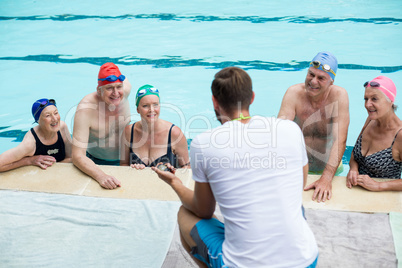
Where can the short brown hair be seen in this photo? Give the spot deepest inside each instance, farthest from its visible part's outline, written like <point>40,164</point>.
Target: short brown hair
<point>232,88</point>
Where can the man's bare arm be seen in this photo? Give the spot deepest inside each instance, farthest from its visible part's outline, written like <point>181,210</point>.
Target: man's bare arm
<point>323,186</point>
<point>288,106</point>
<point>82,121</point>
<point>339,134</point>
<point>126,88</point>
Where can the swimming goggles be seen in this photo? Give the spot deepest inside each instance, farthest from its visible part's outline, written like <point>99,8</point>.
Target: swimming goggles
<point>112,78</point>
<point>316,64</point>
<point>144,91</point>
<point>376,84</point>
<point>373,84</point>
<point>43,104</point>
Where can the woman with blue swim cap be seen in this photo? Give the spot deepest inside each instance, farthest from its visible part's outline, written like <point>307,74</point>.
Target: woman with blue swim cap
<point>44,144</point>
<point>152,140</point>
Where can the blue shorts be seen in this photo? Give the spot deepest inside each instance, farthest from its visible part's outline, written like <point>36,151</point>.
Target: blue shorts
<point>314,264</point>
<point>209,236</point>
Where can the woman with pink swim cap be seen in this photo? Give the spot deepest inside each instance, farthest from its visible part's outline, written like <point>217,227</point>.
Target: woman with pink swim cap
<point>378,150</point>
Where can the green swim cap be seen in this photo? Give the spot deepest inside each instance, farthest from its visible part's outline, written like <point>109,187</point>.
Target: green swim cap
<point>144,91</point>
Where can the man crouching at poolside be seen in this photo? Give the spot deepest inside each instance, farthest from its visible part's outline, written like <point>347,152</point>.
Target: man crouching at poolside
<point>260,200</point>
<point>98,124</point>
<point>321,109</point>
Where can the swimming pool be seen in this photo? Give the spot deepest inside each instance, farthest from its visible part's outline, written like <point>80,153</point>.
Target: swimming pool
<point>54,50</point>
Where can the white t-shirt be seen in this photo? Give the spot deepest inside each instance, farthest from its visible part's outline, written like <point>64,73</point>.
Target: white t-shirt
<point>255,171</point>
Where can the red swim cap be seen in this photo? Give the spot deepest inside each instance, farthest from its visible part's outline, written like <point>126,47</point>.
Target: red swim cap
<point>106,70</point>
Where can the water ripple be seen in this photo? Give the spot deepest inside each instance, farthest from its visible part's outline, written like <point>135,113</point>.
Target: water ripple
<point>202,18</point>
<point>177,61</point>
<point>16,133</point>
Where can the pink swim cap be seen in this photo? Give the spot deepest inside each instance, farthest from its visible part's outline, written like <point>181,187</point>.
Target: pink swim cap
<point>384,84</point>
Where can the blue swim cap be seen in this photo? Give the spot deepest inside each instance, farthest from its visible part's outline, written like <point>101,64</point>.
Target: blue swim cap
<point>39,105</point>
<point>326,58</point>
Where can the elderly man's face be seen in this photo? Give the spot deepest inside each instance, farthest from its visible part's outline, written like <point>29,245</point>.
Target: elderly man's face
<point>317,81</point>
<point>111,94</point>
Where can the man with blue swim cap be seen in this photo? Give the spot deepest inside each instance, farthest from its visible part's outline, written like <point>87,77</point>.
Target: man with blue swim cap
<point>327,62</point>
<point>321,109</point>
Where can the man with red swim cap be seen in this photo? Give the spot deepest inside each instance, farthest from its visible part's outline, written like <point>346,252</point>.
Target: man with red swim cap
<point>98,123</point>
<point>321,109</point>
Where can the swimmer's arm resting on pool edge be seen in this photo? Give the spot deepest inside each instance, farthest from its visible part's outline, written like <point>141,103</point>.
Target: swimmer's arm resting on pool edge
<point>340,117</point>
<point>378,186</point>
<point>365,181</point>
<point>23,155</point>
<point>355,179</point>
<point>82,122</point>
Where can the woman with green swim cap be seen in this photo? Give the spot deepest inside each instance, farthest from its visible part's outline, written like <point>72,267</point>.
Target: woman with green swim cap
<point>152,140</point>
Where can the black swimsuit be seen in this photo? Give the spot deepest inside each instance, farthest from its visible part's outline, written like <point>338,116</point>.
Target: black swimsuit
<point>57,150</point>
<point>169,157</point>
<point>378,165</point>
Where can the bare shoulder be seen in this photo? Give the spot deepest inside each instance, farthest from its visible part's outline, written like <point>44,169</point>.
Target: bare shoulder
<point>127,129</point>
<point>296,90</point>
<point>338,92</point>
<point>28,138</point>
<point>398,138</point>
<point>295,95</point>
<point>397,147</point>
<point>88,107</point>
<point>28,144</point>
<point>126,88</point>
<point>90,101</point>
<point>176,132</point>
<point>292,98</point>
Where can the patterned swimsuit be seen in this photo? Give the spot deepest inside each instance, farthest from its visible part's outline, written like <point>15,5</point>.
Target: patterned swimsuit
<point>378,165</point>
<point>169,157</point>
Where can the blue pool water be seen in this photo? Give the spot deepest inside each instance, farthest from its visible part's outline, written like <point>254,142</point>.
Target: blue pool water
<point>54,49</point>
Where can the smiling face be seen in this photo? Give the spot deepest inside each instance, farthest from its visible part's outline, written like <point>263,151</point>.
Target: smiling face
<point>111,94</point>
<point>317,82</point>
<point>49,119</point>
<point>376,103</point>
<point>149,108</point>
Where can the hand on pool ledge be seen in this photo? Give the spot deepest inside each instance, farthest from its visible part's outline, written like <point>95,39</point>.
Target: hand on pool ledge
<point>137,166</point>
<point>108,182</point>
<point>368,183</point>
<point>323,189</point>
<point>351,178</point>
<point>43,161</point>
